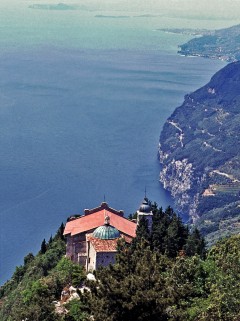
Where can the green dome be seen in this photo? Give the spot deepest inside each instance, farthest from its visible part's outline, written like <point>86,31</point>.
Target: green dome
<point>106,232</point>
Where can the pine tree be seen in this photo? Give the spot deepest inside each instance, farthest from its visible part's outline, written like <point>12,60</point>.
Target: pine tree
<point>139,295</point>
<point>159,231</point>
<point>28,259</point>
<point>43,247</point>
<point>176,236</point>
<point>195,244</point>
<point>59,233</point>
<point>168,232</point>
<point>142,233</point>
<point>50,240</point>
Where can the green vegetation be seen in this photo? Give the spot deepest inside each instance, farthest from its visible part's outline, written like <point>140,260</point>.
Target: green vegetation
<point>164,275</point>
<point>220,44</point>
<point>145,284</point>
<point>204,133</point>
<point>220,222</point>
<point>29,294</point>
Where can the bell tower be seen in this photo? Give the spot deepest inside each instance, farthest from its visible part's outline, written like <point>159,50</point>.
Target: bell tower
<point>146,212</point>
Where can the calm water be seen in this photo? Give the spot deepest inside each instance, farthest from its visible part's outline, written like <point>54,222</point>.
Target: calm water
<point>80,120</point>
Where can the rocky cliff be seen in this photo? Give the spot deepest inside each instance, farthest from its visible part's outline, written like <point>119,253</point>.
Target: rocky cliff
<point>200,154</point>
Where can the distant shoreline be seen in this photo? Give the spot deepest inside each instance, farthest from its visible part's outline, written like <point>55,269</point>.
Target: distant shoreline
<point>222,44</point>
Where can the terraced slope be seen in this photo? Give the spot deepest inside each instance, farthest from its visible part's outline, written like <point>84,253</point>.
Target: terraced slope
<point>200,155</point>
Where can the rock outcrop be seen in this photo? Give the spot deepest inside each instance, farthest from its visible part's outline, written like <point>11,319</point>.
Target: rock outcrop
<point>200,154</point>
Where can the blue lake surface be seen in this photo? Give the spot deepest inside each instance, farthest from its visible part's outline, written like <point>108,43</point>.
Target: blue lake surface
<point>76,125</point>
<point>80,118</point>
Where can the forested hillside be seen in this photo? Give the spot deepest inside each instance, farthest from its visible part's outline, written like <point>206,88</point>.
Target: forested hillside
<point>219,44</point>
<point>163,275</point>
<point>30,293</point>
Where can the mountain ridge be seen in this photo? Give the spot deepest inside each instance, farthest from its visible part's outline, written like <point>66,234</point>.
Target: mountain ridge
<point>200,153</point>
<point>221,44</point>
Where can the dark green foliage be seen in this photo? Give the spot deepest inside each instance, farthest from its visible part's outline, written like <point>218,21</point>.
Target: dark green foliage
<point>132,216</point>
<point>149,280</point>
<point>68,272</point>
<point>78,311</point>
<point>43,247</point>
<point>28,259</point>
<point>176,236</point>
<point>159,229</point>
<point>50,240</point>
<point>146,285</point>
<point>36,303</point>
<point>153,280</point>
<point>170,236</point>
<point>222,282</point>
<point>135,290</point>
<point>34,285</point>
<point>142,231</point>
<point>19,273</point>
<point>60,232</point>
<point>195,244</point>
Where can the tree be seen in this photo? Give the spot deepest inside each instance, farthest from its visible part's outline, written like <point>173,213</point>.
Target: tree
<point>33,286</point>
<point>195,244</point>
<point>185,283</point>
<point>69,272</point>
<point>60,232</point>
<point>139,295</point>
<point>169,234</point>
<point>176,236</point>
<point>159,230</point>
<point>77,311</point>
<point>43,247</point>
<point>132,216</point>
<point>37,303</point>
<point>222,295</point>
<point>142,232</point>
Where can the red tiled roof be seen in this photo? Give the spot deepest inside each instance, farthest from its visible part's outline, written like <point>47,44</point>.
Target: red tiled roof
<point>103,206</point>
<point>106,245</point>
<point>127,238</point>
<point>103,245</point>
<point>92,221</point>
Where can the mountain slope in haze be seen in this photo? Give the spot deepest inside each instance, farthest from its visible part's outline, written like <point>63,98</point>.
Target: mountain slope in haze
<point>222,44</point>
<point>200,155</point>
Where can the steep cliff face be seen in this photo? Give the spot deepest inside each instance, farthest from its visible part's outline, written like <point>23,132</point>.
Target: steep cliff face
<point>200,154</point>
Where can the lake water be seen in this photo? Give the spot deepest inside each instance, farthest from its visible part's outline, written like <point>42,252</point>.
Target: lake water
<point>82,103</point>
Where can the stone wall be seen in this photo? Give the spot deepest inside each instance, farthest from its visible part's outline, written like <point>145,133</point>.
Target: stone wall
<point>77,245</point>
<point>91,265</point>
<point>105,258</point>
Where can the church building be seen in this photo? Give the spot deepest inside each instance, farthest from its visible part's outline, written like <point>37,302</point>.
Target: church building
<point>92,238</point>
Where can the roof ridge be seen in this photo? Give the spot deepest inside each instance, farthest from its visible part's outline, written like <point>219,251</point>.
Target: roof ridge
<point>103,206</point>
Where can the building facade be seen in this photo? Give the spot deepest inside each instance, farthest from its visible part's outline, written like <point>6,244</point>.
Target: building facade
<point>92,238</point>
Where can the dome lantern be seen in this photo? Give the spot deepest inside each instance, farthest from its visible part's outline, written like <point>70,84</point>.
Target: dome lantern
<point>145,206</point>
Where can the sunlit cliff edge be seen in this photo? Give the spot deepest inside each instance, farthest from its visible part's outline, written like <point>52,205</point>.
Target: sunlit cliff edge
<point>200,155</point>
